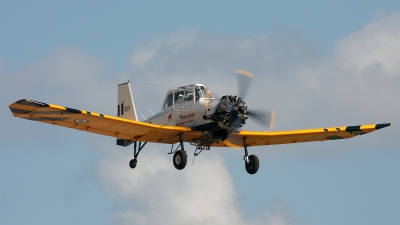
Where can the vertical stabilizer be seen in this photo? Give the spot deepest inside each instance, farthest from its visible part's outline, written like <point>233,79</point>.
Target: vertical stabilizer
<point>126,107</point>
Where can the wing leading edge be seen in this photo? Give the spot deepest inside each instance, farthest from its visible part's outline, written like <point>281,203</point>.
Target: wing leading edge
<point>256,138</point>
<point>100,124</point>
<point>121,128</point>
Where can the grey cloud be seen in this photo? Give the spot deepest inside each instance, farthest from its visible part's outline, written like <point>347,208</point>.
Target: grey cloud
<point>377,43</point>
<point>156,193</point>
<point>67,76</point>
<point>66,73</point>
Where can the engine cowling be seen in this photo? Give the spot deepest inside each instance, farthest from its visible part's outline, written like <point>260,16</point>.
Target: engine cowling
<point>230,113</point>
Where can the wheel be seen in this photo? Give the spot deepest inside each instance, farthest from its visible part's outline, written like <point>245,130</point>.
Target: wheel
<point>133,163</point>
<point>180,159</point>
<point>252,165</point>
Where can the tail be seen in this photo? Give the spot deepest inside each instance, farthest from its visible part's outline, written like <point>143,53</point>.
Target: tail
<point>126,107</point>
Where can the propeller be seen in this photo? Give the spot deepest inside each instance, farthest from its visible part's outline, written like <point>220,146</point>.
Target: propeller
<point>265,118</point>
<point>244,80</point>
<point>232,111</point>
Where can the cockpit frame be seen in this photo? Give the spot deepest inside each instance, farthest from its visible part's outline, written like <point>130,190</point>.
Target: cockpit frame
<point>189,94</point>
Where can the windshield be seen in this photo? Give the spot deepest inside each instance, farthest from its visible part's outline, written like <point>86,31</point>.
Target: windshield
<point>205,93</point>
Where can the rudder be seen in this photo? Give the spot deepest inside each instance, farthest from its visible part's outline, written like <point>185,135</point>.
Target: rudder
<point>126,106</point>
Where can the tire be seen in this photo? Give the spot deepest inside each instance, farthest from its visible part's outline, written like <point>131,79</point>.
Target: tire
<point>180,159</point>
<point>252,165</point>
<point>133,163</point>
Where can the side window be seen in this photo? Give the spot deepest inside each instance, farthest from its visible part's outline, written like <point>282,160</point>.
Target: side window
<point>197,93</point>
<point>189,94</point>
<point>178,97</point>
<point>168,101</point>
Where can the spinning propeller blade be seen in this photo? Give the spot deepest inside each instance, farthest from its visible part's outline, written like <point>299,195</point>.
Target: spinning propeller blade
<point>265,118</point>
<point>244,80</point>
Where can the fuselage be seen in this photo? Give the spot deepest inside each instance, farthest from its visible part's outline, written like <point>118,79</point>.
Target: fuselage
<point>193,106</point>
<point>186,106</point>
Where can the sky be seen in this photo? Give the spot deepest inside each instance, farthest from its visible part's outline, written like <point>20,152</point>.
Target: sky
<point>317,64</point>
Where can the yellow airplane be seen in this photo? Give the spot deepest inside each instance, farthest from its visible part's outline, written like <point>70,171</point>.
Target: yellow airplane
<point>188,114</point>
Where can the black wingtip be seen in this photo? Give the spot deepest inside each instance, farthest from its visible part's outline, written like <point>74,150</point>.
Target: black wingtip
<point>32,103</point>
<point>382,125</point>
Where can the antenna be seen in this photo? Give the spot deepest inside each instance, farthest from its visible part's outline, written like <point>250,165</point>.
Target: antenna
<point>143,116</point>
<point>151,111</point>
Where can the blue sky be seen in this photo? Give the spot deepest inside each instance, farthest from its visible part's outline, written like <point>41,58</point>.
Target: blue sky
<point>34,29</point>
<point>318,64</point>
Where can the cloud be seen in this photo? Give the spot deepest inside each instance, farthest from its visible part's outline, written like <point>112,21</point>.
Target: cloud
<point>376,45</point>
<point>66,73</point>
<point>154,192</point>
<point>279,214</point>
<point>67,76</point>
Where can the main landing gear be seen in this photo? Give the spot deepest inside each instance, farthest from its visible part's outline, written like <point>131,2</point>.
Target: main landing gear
<point>180,156</point>
<point>138,147</point>
<point>179,159</point>
<point>251,161</point>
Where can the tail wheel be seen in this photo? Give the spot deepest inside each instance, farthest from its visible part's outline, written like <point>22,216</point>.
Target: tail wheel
<point>252,165</point>
<point>180,159</point>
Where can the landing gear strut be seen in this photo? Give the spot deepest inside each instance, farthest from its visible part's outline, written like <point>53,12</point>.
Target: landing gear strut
<point>137,150</point>
<point>251,161</point>
<point>180,157</point>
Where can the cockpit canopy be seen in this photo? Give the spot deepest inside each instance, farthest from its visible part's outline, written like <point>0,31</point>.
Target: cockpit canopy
<point>189,94</point>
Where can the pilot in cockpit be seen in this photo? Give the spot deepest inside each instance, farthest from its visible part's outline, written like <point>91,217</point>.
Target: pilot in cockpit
<point>197,93</point>
<point>178,97</point>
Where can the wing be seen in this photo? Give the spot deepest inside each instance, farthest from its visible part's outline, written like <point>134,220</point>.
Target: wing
<point>254,138</point>
<point>100,124</point>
